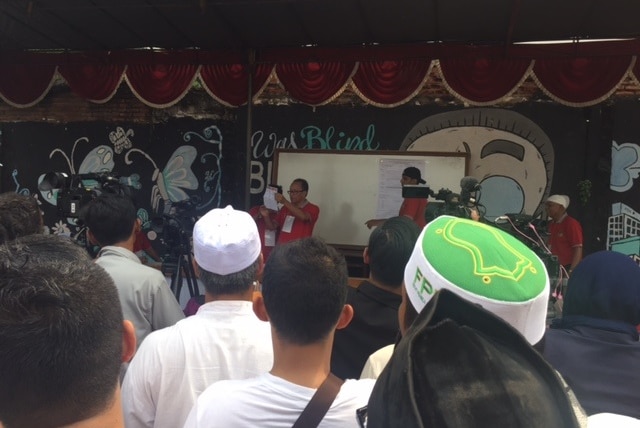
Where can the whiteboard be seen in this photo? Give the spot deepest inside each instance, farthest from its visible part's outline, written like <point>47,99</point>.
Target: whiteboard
<point>346,185</point>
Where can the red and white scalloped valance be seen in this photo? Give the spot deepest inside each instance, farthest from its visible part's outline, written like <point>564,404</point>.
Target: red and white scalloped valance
<point>389,78</point>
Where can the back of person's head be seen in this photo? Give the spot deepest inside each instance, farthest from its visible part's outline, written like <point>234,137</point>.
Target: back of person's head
<point>481,264</point>
<point>226,247</point>
<point>605,285</point>
<point>461,366</point>
<point>305,290</point>
<point>19,216</point>
<point>110,218</point>
<point>61,334</point>
<point>390,246</point>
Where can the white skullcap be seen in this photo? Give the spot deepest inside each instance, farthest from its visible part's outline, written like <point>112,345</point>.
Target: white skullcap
<point>226,241</point>
<point>560,200</point>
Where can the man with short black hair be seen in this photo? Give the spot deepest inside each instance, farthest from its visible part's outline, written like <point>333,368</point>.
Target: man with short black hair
<point>19,216</point>
<point>412,208</point>
<point>62,337</point>
<point>297,217</point>
<point>223,340</point>
<point>145,296</point>
<point>303,297</point>
<point>376,300</point>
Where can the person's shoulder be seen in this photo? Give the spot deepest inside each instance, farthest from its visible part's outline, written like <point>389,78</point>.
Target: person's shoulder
<point>166,340</point>
<point>352,293</point>
<point>151,275</point>
<point>384,352</point>
<point>229,390</point>
<point>569,220</point>
<point>353,395</point>
<point>607,420</point>
<point>228,403</point>
<point>158,349</point>
<point>357,387</point>
<point>377,361</point>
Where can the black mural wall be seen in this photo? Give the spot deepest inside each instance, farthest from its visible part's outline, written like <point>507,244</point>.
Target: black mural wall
<point>521,154</point>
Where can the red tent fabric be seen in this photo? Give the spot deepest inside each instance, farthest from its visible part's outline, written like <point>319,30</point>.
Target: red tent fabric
<point>478,76</point>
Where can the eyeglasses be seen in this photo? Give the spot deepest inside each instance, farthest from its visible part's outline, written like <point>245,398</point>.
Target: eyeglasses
<point>294,191</point>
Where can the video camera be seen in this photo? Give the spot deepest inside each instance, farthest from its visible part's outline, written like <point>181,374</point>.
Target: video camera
<point>176,227</point>
<point>448,202</point>
<point>75,191</point>
<point>529,230</point>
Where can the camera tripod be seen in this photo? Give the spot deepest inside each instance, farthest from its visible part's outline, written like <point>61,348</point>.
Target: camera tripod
<point>180,265</point>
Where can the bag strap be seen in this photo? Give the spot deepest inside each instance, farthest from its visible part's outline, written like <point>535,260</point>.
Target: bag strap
<point>319,403</point>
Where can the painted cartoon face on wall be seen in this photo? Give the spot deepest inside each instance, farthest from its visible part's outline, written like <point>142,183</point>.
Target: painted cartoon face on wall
<point>508,153</point>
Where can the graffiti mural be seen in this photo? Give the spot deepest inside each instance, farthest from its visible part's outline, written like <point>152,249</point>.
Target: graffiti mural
<point>156,168</point>
<point>519,154</point>
<point>213,175</point>
<point>510,155</point>
<point>623,227</point>
<point>99,159</point>
<point>625,166</point>
<point>170,183</point>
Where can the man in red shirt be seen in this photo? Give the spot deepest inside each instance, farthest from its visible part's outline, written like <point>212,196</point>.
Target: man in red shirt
<point>297,217</point>
<point>414,208</point>
<point>565,240</point>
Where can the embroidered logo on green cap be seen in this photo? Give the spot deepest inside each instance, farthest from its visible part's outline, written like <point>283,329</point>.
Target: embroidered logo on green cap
<point>483,260</point>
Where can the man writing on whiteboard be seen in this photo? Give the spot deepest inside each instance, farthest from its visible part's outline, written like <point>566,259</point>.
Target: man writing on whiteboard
<point>414,208</point>
<point>297,217</point>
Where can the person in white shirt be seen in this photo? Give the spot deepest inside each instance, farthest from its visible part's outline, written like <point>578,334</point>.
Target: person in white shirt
<point>608,420</point>
<point>304,292</point>
<point>223,340</point>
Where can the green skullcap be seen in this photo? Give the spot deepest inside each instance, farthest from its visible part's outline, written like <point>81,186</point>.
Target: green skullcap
<point>484,265</point>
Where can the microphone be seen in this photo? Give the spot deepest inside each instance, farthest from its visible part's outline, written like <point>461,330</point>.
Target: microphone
<point>470,184</point>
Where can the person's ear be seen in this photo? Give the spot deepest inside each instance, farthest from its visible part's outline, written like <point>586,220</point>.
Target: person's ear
<point>128,341</point>
<point>196,268</point>
<point>260,266</point>
<point>258,307</point>
<point>92,239</point>
<point>345,317</point>
<point>365,255</point>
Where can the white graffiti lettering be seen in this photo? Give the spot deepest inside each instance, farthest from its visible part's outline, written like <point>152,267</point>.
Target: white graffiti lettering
<point>264,145</point>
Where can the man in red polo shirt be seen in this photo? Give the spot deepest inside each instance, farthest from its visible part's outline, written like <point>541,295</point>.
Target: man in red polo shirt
<point>297,217</point>
<point>414,208</point>
<point>565,240</point>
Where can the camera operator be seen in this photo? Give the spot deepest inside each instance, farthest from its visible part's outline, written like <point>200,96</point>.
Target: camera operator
<point>414,208</point>
<point>145,296</point>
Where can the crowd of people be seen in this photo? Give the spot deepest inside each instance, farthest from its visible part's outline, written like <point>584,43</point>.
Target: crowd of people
<point>450,329</point>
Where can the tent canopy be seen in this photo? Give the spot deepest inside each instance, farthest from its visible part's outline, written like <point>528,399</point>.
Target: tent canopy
<point>317,48</point>
<point>99,25</point>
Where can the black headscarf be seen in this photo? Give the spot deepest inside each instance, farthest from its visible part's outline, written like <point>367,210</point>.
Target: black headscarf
<point>605,285</point>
